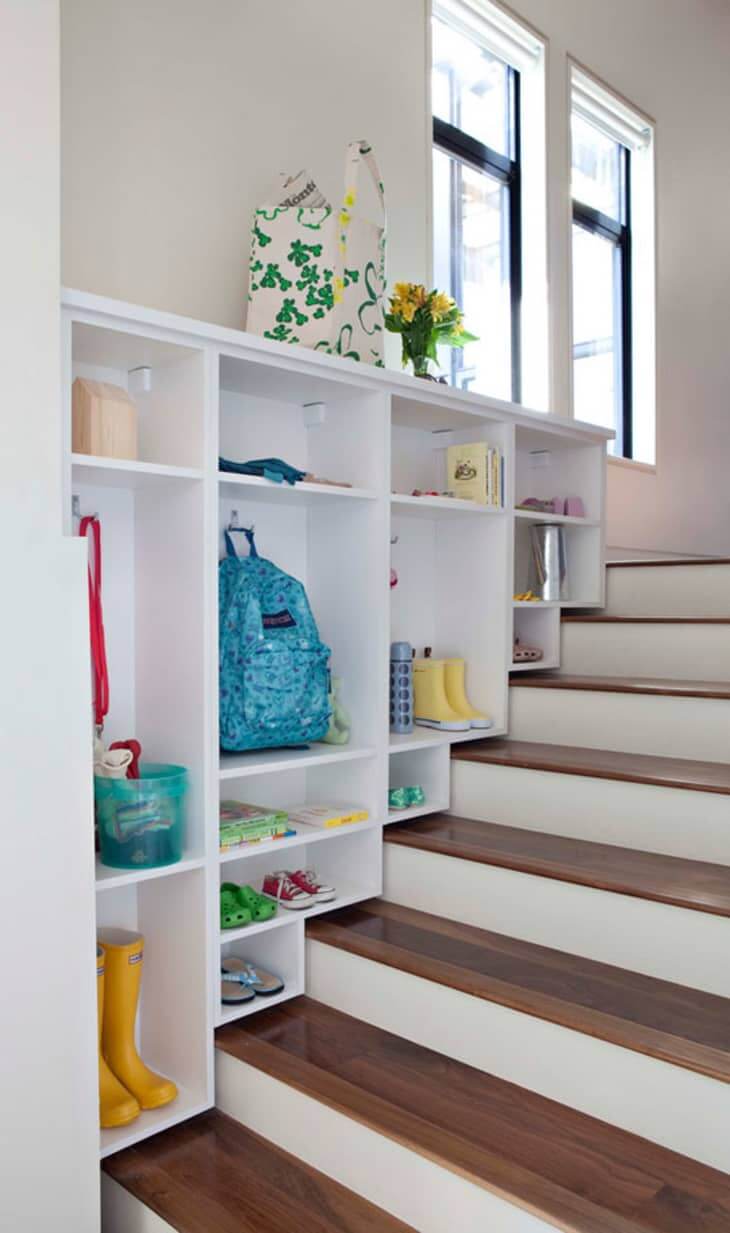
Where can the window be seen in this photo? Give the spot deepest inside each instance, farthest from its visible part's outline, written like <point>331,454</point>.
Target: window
<point>477,199</point>
<point>606,144</point>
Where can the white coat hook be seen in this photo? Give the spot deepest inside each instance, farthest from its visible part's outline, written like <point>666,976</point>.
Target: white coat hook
<point>314,414</point>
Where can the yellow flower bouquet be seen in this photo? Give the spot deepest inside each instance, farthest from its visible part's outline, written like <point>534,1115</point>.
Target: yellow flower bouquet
<point>425,320</point>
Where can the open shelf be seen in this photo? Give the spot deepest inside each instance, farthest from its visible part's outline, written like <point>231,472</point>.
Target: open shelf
<point>436,507</point>
<point>109,879</point>
<point>417,811</point>
<point>229,1014</point>
<point>304,835</point>
<point>268,761</point>
<point>560,519</point>
<point>257,488</point>
<point>127,473</point>
<point>151,1123</point>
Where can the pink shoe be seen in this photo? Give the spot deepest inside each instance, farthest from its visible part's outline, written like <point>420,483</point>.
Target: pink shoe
<point>307,880</point>
<point>281,887</point>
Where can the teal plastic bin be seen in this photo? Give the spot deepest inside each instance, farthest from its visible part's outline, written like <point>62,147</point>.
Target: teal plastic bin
<point>141,822</point>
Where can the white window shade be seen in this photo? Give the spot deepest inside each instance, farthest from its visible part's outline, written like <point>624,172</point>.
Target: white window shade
<point>608,114</point>
<point>493,29</point>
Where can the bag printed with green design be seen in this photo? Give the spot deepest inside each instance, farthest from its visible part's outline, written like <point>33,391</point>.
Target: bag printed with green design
<point>317,274</point>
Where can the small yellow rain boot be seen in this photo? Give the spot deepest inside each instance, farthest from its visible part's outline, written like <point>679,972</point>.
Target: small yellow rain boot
<point>123,952</point>
<point>117,1106</point>
<point>454,670</point>
<point>431,708</point>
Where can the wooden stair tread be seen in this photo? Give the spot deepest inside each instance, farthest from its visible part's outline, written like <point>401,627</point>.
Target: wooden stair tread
<point>700,886</point>
<point>683,1026</point>
<point>600,618</point>
<point>567,1167</point>
<point>684,773</point>
<point>664,687</point>
<point>212,1174</point>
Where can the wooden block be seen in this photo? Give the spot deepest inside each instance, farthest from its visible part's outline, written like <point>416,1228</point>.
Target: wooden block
<point>104,420</point>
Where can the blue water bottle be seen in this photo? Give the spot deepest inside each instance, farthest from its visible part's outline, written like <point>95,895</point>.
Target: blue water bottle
<point>401,687</point>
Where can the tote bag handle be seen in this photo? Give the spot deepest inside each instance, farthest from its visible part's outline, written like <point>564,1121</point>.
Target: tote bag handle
<point>359,152</point>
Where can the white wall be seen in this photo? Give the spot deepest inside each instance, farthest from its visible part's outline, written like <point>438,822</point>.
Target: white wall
<point>176,115</point>
<point>48,1067</point>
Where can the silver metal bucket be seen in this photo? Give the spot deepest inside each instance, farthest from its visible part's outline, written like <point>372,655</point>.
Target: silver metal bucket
<point>549,561</point>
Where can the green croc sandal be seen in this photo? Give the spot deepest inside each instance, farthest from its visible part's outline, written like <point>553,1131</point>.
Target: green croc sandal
<point>234,912</point>
<point>258,905</point>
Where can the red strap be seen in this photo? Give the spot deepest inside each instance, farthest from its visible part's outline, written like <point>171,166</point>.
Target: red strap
<point>96,622</point>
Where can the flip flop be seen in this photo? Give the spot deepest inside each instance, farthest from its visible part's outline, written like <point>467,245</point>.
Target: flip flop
<point>234,913</point>
<point>249,975</point>
<point>258,905</point>
<point>235,987</point>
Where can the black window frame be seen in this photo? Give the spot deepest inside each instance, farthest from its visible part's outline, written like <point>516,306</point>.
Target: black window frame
<point>464,148</point>
<point>618,231</point>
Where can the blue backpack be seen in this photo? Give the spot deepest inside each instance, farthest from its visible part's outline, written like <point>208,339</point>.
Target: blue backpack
<point>274,678</point>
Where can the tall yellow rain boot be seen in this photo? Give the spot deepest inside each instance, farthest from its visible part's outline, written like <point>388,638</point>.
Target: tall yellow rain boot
<point>117,1106</point>
<point>454,670</point>
<point>431,708</point>
<point>123,952</point>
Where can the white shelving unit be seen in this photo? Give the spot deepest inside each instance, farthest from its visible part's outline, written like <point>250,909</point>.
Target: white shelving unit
<point>217,392</point>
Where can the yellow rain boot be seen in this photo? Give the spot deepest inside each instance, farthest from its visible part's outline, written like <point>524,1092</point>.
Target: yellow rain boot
<point>117,1106</point>
<point>454,670</point>
<point>123,954</point>
<point>431,707</point>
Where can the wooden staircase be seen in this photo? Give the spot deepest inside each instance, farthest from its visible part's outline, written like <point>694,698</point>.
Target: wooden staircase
<point>531,1029</point>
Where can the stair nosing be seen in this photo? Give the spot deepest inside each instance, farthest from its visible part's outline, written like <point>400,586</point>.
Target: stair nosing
<point>642,686</point>
<point>500,751</point>
<point>577,618</point>
<point>658,562</point>
<point>510,1172</point>
<point>667,1046</point>
<point>538,867</point>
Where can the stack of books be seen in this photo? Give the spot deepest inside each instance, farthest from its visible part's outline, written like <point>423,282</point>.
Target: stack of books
<point>476,473</point>
<point>242,824</point>
<point>327,816</point>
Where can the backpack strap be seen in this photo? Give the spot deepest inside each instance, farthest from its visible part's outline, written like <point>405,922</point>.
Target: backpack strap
<point>231,547</point>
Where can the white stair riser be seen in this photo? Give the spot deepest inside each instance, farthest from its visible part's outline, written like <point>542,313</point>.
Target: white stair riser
<point>678,822</point>
<point>686,1112</point>
<point>657,939</point>
<point>400,1180</point>
<point>642,723</point>
<point>678,652</point>
<point>669,590</point>
<point>122,1213</point>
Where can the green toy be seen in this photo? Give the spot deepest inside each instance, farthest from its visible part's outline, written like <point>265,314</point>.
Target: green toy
<point>338,732</point>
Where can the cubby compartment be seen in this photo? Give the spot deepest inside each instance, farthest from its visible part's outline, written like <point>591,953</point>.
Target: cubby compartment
<point>454,575</point>
<point>166,382</point>
<point>349,858</point>
<point>152,582</point>
<point>548,465</point>
<point>583,584</point>
<point>173,1018</point>
<point>427,768</point>
<point>341,559</point>
<point>279,952</point>
<point>419,454</point>
<point>538,626</point>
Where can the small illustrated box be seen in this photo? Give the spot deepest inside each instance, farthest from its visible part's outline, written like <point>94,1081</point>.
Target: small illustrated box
<point>467,471</point>
<point>104,420</point>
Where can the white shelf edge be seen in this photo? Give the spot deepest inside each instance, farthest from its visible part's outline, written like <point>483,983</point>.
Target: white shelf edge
<point>133,467</point>
<point>417,811</point>
<point>293,760</point>
<point>304,835</point>
<point>110,879</point>
<point>289,916</point>
<point>536,666</point>
<point>567,520</point>
<point>231,1014</point>
<point>150,1123</point>
<point>405,504</point>
<point>408,742</point>
<point>284,490</point>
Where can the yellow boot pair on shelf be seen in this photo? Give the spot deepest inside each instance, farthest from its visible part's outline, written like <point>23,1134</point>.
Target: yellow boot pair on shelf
<point>126,1085</point>
<point>440,699</point>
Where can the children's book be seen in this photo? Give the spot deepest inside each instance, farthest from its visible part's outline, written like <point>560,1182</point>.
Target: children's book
<point>468,476</point>
<point>327,815</point>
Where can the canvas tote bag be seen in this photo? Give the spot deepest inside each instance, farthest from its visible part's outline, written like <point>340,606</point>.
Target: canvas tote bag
<point>317,275</point>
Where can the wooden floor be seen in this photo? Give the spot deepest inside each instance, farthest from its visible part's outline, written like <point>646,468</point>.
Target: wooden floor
<point>599,764</point>
<point>665,688</point>
<point>583,1175</point>
<point>683,1026</point>
<point>211,1175</point>
<point>600,618</point>
<point>698,885</point>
